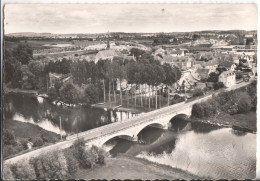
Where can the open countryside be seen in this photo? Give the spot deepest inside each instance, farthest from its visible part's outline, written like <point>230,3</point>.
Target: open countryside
<point>122,105</point>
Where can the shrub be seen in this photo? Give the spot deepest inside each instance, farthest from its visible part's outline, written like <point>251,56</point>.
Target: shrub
<point>37,141</point>
<point>78,150</point>
<point>197,92</point>
<point>218,85</point>
<point>23,142</point>
<point>7,173</point>
<point>8,137</point>
<point>72,162</point>
<point>101,154</point>
<point>47,138</point>
<point>51,165</point>
<point>11,150</point>
<point>23,170</point>
<point>197,111</point>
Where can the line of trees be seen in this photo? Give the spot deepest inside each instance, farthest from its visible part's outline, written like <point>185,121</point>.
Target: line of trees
<point>56,164</point>
<point>231,102</point>
<point>145,71</point>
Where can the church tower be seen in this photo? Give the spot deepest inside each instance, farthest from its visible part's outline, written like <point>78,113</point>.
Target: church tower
<point>108,43</point>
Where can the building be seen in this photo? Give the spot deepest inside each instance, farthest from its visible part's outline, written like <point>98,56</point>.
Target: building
<point>228,78</point>
<point>53,77</point>
<point>107,55</point>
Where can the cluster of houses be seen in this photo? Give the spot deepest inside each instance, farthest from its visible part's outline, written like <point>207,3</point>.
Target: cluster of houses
<point>196,63</point>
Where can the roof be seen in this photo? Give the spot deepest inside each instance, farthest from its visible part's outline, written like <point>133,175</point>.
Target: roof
<point>226,63</point>
<point>227,73</point>
<point>60,76</point>
<point>108,53</point>
<point>168,58</point>
<point>211,62</point>
<point>203,73</point>
<point>197,48</point>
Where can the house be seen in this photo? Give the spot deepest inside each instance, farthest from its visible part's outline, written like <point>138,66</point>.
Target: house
<point>187,81</point>
<point>107,54</point>
<point>226,64</point>
<point>233,67</point>
<point>202,73</point>
<point>53,77</point>
<point>228,78</point>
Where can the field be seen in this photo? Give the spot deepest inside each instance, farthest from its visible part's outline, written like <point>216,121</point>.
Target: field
<point>36,44</point>
<point>126,167</point>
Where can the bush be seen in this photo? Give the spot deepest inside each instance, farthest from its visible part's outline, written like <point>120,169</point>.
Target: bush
<point>218,85</point>
<point>197,111</point>
<point>51,165</point>
<point>23,170</point>
<point>197,93</point>
<point>78,150</point>
<point>101,154</point>
<point>23,142</point>
<point>7,173</point>
<point>48,138</point>
<point>72,163</point>
<point>52,93</point>
<point>8,137</point>
<point>37,141</point>
<point>9,150</point>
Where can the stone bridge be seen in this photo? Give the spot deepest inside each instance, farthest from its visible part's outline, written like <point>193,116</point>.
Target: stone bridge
<point>130,128</point>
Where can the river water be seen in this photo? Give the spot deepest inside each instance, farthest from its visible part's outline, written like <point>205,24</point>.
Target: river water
<point>205,150</point>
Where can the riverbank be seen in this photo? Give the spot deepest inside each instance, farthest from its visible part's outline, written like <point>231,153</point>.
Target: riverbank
<point>127,167</point>
<point>7,90</point>
<point>243,122</point>
<point>26,130</point>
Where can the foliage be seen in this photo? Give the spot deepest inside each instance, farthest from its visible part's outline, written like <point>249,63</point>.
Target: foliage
<point>218,85</point>
<point>91,94</point>
<point>23,170</point>
<point>51,165</point>
<point>68,93</point>
<point>8,137</point>
<point>213,77</point>
<point>197,93</point>
<point>52,93</point>
<point>197,110</point>
<point>7,173</point>
<point>37,141</point>
<point>72,162</point>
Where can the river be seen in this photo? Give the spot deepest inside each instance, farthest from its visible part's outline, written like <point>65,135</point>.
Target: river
<point>208,151</point>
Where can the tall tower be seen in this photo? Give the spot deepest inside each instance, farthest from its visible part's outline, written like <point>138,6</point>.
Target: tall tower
<point>108,43</point>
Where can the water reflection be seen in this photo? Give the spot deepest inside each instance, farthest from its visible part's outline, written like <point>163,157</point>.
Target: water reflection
<point>211,152</point>
<point>38,111</point>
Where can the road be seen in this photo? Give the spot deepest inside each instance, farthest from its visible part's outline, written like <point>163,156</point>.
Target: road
<point>114,127</point>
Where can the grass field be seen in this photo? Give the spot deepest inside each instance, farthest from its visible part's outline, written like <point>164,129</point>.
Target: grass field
<point>36,44</point>
<point>25,130</point>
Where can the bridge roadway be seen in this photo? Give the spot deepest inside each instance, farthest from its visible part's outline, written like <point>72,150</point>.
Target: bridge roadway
<point>113,127</point>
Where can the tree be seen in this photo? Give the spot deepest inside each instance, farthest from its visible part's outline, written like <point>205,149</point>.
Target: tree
<point>8,137</point>
<point>23,53</point>
<point>136,52</point>
<point>197,93</point>
<point>23,170</point>
<point>52,93</point>
<point>197,111</point>
<point>213,77</point>
<point>91,94</point>
<point>37,141</point>
<point>68,93</point>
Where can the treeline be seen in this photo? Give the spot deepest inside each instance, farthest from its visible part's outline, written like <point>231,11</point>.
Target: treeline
<point>22,71</point>
<point>144,71</point>
<point>231,102</point>
<point>57,164</point>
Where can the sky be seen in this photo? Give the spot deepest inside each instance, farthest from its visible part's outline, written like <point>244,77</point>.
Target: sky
<point>150,18</point>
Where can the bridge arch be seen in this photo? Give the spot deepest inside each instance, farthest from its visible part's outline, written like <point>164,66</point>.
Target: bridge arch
<point>152,124</point>
<point>179,121</point>
<point>105,139</point>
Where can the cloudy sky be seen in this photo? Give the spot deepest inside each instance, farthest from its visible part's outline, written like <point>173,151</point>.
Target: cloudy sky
<point>98,18</point>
